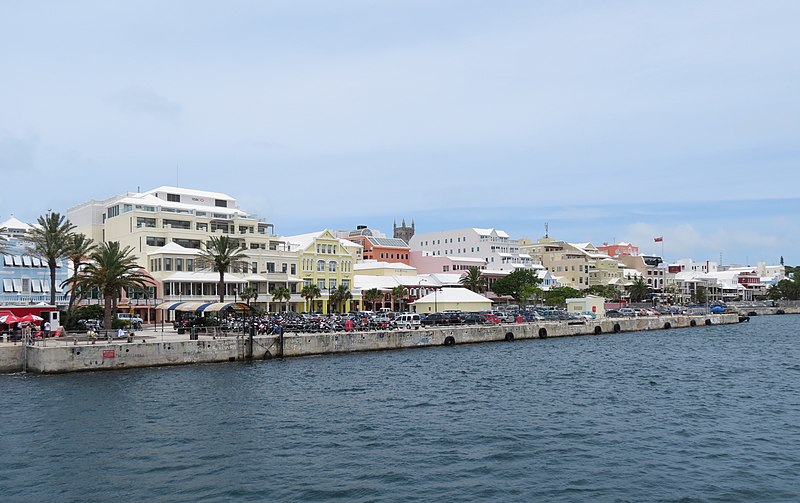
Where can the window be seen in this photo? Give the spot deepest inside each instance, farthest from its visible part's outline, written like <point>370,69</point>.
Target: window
<point>154,241</point>
<point>294,268</point>
<point>113,211</point>
<point>177,224</point>
<point>167,264</point>
<point>321,266</point>
<point>220,203</point>
<point>190,264</point>
<point>332,284</point>
<point>145,222</point>
<point>179,264</point>
<point>321,284</point>
<point>284,267</point>
<point>174,198</point>
<point>202,227</point>
<point>187,243</point>
<point>254,267</point>
<point>346,283</point>
<point>270,267</point>
<point>332,266</point>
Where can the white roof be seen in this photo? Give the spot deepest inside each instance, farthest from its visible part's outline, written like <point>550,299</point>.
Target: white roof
<point>149,199</point>
<point>190,192</point>
<point>453,295</point>
<point>14,223</point>
<point>488,232</point>
<point>175,249</point>
<point>374,264</point>
<point>303,241</point>
<point>466,259</point>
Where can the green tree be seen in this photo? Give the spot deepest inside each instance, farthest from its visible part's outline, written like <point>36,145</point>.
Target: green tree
<point>785,289</point>
<point>49,240</point>
<point>248,294</point>
<point>373,295</point>
<point>339,296</point>
<point>110,269</point>
<point>309,293</point>
<point>473,280</point>
<point>79,248</point>
<point>608,292</point>
<point>399,293</point>
<point>222,254</point>
<point>639,290</point>
<point>520,284</point>
<point>280,293</point>
<point>558,296</point>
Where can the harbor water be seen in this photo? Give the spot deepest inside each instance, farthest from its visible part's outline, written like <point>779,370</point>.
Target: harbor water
<point>700,414</point>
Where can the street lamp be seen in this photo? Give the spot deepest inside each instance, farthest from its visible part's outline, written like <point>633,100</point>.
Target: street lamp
<point>435,298</point>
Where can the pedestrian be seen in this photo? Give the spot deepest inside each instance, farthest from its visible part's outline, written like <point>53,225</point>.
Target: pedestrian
<point>519,318</point>
<point>46,329</point>
<point>121,333</point>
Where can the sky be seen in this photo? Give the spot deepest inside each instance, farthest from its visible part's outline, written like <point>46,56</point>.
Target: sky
<point>609,121</point>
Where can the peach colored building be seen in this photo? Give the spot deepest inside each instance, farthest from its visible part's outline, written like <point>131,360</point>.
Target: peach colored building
<point>382,249</point>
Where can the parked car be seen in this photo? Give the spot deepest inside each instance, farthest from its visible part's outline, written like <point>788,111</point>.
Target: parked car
<point>408,321</point>
<point>473,319</point>
<point>436,319</point>
<point>627,311</point>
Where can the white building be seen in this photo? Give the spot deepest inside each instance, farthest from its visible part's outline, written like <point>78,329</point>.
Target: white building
<point>494,246</point>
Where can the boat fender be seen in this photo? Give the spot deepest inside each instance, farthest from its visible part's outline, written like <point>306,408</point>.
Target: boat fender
<point>543,333</point>
<point>509,337</point>
<point>449,341</point>
<point>708,322</point>
<point>692,323</point>
<point>667,325</point>
<point>598,330</point>
<point>617,328</point>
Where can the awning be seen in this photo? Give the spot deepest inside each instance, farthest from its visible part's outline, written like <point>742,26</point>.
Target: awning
<point>222,306</point>
<point>169,306</point>
<point>191,306</point>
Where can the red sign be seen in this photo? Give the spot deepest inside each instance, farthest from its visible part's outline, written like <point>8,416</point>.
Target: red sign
<point>108,353</point>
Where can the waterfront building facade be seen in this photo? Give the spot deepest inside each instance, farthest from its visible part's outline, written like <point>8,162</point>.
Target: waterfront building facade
<point>326,262</point>
<point>167,228</point>
<point>26,277</point>
<point>568,263</point>
<point>376,246</point>
<point>494,246</point>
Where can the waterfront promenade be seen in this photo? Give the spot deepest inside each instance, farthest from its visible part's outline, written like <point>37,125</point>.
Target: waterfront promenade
<point>152,347</point>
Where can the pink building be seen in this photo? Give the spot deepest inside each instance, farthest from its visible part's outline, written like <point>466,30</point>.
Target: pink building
<point>433,264</point>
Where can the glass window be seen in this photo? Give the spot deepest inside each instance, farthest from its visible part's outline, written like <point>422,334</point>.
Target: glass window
<point>332,266</point>
<point>167,264</point>
<point>179,264</point>
<point>332,284</point>
<point>190,264</point>
<point>321,266</point>
<point>294,269</point>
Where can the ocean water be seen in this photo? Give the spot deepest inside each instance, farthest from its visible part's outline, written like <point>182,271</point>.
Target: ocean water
<point>702,414</point>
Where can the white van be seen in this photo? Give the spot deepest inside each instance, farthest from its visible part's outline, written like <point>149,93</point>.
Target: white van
<point>407,321</point>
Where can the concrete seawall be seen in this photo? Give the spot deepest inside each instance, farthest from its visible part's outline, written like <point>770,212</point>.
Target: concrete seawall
<point>61,356</point>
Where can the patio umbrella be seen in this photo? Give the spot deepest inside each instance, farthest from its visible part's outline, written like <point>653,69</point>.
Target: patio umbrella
<point>8,319</point>
<point>31,318</point>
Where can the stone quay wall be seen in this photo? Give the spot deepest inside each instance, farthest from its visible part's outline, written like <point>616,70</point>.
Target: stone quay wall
<point>58,358</point>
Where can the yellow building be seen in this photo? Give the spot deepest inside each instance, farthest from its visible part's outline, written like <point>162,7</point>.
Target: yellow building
<point>327,262</point>
<point>567,263</point>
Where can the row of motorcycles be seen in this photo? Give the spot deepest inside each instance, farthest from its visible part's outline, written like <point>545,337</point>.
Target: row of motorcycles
<point>308,324</point>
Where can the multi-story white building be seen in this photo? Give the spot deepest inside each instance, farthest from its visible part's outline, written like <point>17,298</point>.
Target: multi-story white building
<point>494,246</point>
<point>167,227</point>
<point>26,277</point>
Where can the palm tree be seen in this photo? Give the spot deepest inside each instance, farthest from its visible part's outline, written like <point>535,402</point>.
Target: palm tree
<point>281,293</point>
<point>111,270</point>
<point>398,293</point>
<point>473,280</point>
<point>372,296</point>
<point>639,290</point>
<point>310,292</point>
<point>222,253</point>
<point>50,240</point>
<point>339,296</point>
<point>248,294</point>
<point>78,249</point>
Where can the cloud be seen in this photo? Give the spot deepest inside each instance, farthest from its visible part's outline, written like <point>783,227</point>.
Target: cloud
<point>141,101</point>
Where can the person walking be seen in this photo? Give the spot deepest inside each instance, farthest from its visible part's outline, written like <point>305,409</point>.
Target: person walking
<point>46,329</point>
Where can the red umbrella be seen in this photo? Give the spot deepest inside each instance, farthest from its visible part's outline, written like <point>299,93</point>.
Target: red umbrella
<point>8,319</point>
<point>31,318</point>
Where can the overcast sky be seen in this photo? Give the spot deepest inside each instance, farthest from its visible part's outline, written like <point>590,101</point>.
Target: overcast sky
<point>610,120</point>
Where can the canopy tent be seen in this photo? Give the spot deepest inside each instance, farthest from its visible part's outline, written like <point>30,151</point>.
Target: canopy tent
<point>204,307</point>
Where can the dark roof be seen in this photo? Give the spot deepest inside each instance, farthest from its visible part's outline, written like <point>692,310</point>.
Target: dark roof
<point>388,242</point>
